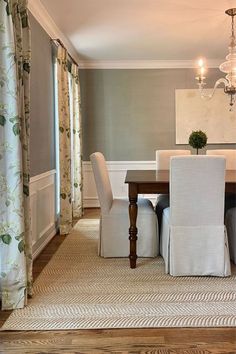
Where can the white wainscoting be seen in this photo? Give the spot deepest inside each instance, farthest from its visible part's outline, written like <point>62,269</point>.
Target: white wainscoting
<point>42,203</point>
<point>117,172</point>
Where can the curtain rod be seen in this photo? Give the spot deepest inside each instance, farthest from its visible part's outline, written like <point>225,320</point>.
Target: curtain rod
<point>58,41</point>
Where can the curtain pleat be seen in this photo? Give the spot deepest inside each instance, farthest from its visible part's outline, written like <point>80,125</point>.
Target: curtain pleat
<point>77,144</point>
<point>64,142</point>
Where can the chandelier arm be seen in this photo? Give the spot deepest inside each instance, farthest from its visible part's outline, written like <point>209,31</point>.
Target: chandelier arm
<point>218,82</point>
<point>228,67</point>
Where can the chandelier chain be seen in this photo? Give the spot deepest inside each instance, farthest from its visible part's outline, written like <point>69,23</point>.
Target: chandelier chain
<point>232,26</point>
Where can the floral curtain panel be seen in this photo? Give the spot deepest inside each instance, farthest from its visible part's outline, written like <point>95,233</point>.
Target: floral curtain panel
<point>64,141</point>
<point>69,142</point>
<point>15,240</point>
<point>77,144</point>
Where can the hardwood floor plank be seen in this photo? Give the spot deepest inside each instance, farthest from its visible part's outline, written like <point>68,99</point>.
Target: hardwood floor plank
<point>121,341</point>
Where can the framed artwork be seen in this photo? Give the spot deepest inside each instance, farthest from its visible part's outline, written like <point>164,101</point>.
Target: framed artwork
<point>212,116</point>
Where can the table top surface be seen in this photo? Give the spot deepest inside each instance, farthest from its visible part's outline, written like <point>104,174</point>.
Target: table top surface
<point>153,176</point>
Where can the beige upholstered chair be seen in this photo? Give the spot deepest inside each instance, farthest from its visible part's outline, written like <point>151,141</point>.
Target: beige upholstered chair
<point>193,236</point>
<point>163,163</point>
<point>230,222</point>
<point>229,154</point>
<point>163,157</point>
<point>230,200</point>
<point>114,220</point>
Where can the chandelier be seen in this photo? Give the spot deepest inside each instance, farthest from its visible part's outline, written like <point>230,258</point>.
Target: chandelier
<point>228,67</point>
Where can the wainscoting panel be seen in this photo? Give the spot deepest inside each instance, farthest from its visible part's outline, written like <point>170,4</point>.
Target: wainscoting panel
<point>117,172</point>
<point>42,202</point>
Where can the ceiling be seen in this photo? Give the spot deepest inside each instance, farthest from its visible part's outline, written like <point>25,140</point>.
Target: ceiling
<point>144,29</point>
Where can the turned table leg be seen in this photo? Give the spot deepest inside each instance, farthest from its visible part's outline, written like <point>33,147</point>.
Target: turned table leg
<point>133,212</point>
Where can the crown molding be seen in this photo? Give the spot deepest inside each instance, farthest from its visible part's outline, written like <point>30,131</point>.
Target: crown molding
<point>145,64</point>
<point>42,16</point>
<point>45,20</point>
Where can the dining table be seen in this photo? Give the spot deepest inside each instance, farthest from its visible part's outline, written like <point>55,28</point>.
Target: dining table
<point>154,182</point>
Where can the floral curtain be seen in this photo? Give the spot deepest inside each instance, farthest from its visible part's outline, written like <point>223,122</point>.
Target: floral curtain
<point>64,141</point>
<point>69,144</point>
<point>76,146</point>
<point>15,238</point>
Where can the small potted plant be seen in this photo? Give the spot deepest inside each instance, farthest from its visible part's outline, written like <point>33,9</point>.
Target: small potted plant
<point>197,140</point>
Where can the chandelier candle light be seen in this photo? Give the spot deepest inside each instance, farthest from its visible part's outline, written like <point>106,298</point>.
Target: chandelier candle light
<point>228,67</point>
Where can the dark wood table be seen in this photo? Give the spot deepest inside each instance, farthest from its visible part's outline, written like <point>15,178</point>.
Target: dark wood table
<point>154,182</point>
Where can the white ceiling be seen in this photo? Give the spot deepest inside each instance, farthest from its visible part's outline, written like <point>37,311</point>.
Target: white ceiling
<point>144,29</point>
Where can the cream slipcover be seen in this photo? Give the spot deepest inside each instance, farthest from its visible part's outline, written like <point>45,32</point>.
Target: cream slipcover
<point>229,154</point>
<point>230,200</point>
<point>114,220</point>
<point>163,163</point>
<point>163,157</point>
<point>193,236</point>
<point>230,222</point>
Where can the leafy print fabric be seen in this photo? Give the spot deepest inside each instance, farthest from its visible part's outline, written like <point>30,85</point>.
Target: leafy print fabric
<point>64,142</point>
<point>70,141</point>
<point>77,144</point>
<point>15,238</point>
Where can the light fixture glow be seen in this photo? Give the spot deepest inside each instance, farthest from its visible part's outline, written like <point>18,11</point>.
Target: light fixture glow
<point>228,67</point>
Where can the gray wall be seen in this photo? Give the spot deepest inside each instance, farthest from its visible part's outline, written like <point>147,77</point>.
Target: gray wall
<point>128,114</point>
<point>42,141</point>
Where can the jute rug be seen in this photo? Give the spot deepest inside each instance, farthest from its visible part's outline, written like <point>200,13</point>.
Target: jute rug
<point>77,289</point>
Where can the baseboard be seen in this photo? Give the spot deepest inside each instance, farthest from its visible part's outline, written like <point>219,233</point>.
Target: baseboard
<point>91,203</point>
<point>43,241</point>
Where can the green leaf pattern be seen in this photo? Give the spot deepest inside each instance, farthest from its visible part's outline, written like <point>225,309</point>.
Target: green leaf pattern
<point>2,120</point>
<point>6,239</point>
<point>15,240</point>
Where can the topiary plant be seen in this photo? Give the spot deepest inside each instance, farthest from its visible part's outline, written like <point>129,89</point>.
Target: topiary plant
<point>197,140</point>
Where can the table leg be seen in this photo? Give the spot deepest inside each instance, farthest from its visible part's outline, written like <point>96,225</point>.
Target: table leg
<point>133,212</point>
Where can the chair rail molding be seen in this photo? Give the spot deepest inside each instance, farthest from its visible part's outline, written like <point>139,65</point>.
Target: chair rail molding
<point>42,203</point>
<point>117,172</point>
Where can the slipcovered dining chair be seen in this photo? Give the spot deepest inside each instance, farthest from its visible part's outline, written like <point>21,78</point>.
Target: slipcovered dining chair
<point>163,157</point>
<point>163,163</point>
<point>229,154</point>
<point>193,236</point>
<point>230,222</point>
<point>230,200</point>
<point>114,219</point>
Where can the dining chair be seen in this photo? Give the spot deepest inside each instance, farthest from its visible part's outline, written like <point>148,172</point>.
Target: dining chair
<point>229,154</point>
<point>193,236</point>
<point>163,157</point>
<point>163,163</point>
<point>114,219</point>
<point>230,222</point>
<point>230,200</point>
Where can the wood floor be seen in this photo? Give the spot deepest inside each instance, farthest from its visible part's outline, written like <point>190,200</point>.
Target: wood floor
<point>159,341</point>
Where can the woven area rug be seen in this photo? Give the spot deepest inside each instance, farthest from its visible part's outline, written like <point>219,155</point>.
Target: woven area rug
<point>78,289</point>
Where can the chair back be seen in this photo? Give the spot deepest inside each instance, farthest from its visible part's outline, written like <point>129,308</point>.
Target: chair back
<point>197,187</point>
<point>163,157</point>
<point>102,181</point>
<point>230,155</point>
